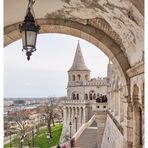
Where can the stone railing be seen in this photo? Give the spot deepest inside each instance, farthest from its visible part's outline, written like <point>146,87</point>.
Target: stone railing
<point>83,127</point>
<point>79,101</point>
<point>88,83</point>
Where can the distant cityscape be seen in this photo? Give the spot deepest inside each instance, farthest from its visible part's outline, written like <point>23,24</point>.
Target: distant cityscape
<point>22,116</point>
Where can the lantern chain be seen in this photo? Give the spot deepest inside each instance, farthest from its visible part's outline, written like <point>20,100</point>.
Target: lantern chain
<point>30,5</point>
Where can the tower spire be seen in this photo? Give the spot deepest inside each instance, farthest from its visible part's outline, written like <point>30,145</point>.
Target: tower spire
<point>78,63</point>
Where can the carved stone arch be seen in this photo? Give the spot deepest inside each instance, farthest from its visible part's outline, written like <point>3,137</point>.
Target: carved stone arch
<point>89,32</point>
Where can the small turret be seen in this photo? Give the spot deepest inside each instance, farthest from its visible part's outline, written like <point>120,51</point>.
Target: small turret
<point>79,71</point>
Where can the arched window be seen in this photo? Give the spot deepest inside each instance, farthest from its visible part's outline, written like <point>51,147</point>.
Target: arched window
<point>73,96</point>
<point>91,93</point>
<point>73,77</point>
<point>77,96</point>
<point>94,96</point>
<point>86,77</point>
<point>90,96</point>
<point>79,77</point>
<point>86,96</point>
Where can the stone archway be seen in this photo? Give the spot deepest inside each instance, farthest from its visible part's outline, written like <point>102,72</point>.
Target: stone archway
<point>120,37</point>
<point>107,43</point>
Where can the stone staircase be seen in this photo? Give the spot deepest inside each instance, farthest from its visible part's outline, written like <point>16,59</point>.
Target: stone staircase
<point>88,139</point>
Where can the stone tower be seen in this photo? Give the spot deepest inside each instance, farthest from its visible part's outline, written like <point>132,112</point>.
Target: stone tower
<point>78,74</point>
<point>82,95</point>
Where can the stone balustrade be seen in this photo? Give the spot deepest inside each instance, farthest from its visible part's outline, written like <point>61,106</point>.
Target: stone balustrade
<point>88,83</point>
<point>83,127</point>
<point>79,101</point>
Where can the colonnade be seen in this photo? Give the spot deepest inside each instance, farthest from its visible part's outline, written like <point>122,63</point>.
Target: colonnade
<point>117,105</point>
<point>75,115</point>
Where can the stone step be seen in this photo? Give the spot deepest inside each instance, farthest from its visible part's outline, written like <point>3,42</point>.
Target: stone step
<point>88,139</point>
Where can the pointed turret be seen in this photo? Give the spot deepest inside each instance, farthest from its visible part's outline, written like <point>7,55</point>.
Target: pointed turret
<point>78,63</point>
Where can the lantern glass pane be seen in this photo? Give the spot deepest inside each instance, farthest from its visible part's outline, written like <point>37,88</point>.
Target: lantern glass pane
<point>23,38</point>
<point>31,38</point>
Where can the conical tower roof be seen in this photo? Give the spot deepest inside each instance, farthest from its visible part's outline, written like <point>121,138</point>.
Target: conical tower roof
<point>78,63</point>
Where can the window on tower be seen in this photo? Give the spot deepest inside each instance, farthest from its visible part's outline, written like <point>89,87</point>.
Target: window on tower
<point>79,77</point>
<point>73,97</point>
<point>86,77</point>
<point>73,78</point>
<point>86,96</point>
<point>77,96</point>
<point>90,96</point>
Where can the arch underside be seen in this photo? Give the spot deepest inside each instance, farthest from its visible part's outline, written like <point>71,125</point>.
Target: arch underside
<point>105,42</point>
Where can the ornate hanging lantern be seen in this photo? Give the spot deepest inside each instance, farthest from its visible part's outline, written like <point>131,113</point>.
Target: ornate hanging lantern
<point>29,30</point>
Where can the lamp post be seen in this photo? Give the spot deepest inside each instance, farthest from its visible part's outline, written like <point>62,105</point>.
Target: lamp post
<point>76,123</point>
<point>29,30</point>
<point>70,125</point>
<point>48,137</point>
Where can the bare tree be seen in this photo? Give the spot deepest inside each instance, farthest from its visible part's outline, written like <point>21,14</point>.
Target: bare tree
<point>50,112</point>
<point>21,127</point>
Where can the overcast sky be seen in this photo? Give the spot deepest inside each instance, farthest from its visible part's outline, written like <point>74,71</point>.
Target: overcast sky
<point>46,72</point>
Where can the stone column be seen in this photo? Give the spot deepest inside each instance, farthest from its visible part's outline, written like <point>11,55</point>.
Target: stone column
<point>84,114</point>
<point>69,112</point>
<point>137,127</point>
<point>128,122</point>
<point>108,96</point>
<point>64,115</point>
<point>121,106</point>
<point>112,100</point>
<point>67,115</point>
<point>114,104</point>
<point>78,117</point>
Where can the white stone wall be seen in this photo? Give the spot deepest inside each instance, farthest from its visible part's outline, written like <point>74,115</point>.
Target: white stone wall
<point>112,137</point>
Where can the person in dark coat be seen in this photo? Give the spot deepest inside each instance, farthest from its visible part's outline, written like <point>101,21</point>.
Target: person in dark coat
<point>58,146</point>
